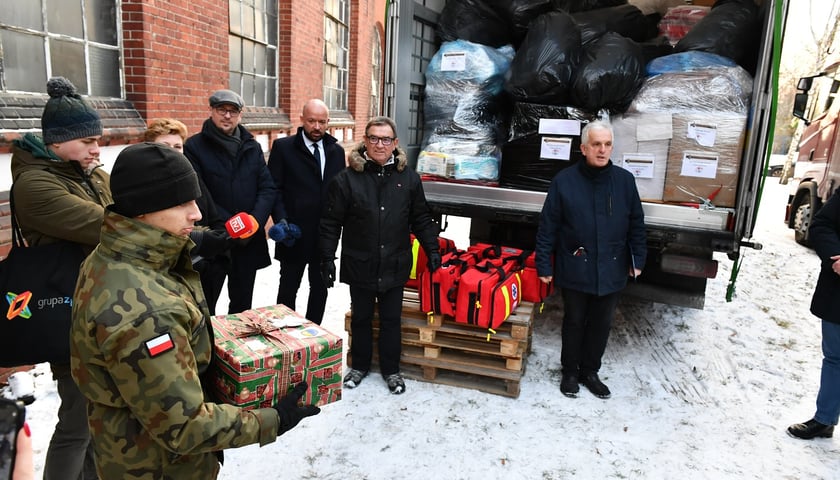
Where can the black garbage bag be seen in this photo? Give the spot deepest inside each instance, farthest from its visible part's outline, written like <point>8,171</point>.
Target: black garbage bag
<point>522,12</point>
<point>610,73</point>
<point>572,6</point>
<point>541,70</point>
<point>731,28</point>
<point>477,21</point>
<point>626,20</point>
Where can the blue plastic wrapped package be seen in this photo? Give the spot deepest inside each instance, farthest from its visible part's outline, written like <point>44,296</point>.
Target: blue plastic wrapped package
<point>686,62</point>
<point>464,108</point>
<point>713,89</point>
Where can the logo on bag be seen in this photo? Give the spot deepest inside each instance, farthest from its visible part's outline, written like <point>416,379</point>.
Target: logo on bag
<point>18,305</point>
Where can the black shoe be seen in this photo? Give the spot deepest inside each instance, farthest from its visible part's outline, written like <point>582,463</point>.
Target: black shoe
<point>595,385</point>
<point>811,429</point>
<point>569,385</point>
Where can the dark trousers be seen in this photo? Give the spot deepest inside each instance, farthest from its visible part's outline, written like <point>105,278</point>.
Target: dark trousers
<point>291,273</point>
<point>362,304</point>
<point>587,321</point>
<point>212,274</point>
<point>70,454</point>
<point>240,287</point>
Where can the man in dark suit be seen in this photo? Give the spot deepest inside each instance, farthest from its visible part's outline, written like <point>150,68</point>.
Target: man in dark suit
<point>302,166</point>
<point>231,162</point>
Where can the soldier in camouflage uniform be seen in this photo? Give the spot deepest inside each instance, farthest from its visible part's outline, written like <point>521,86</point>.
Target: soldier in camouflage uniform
<point>141,337</point>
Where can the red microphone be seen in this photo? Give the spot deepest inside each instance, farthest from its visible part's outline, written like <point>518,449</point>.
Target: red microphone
<point>242,225</point>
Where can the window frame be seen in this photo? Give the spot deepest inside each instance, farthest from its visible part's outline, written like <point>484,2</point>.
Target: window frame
<point>88,87</point>
<point>247,83</point>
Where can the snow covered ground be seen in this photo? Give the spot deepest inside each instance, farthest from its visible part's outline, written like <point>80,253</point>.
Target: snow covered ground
<point>696,394</point>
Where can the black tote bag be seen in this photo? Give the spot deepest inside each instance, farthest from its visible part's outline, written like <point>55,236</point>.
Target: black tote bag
<point>36,287</point>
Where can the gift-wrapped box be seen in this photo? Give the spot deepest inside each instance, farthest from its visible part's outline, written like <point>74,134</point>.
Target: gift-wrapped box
<point>262,353</point>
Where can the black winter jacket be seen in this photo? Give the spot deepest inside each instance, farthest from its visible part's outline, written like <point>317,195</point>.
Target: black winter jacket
<point>377,207</point>
<point>824,236</point>
<point>240,184</point>
<point>301,193</point>
<point>593,224</point>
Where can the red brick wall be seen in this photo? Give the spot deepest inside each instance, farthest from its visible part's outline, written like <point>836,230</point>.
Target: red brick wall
<point>176,54</point>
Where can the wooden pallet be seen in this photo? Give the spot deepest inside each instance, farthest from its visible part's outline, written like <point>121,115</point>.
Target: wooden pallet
<point>450,353</point>
<point>444,374</point>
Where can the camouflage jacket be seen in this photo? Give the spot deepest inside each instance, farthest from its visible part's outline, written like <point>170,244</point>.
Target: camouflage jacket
<point>140,341</point>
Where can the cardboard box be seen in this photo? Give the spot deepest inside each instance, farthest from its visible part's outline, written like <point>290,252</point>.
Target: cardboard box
<point>258,360</point>
<point>640,145</point>
<point>705,157</point>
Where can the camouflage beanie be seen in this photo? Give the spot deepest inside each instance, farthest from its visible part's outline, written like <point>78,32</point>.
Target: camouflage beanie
<point>66,115</point>
<point>149,177</point>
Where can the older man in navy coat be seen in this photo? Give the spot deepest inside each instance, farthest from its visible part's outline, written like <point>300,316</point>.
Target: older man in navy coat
<point>302,166</point>
<point>590,240</point>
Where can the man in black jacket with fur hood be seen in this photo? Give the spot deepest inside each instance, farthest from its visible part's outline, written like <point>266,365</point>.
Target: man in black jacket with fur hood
<point>378,201</point>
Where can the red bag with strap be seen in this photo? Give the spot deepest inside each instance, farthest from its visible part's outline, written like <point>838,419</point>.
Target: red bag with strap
<point>420,262</point>
<point>439,289</point>
<point>533,289</point>
<point>487,295</point>
<point>510,258</point>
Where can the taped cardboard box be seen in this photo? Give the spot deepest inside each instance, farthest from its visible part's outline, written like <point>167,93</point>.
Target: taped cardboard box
<point>261,354</point>
<point>640,145</point>
<point>705,158</point>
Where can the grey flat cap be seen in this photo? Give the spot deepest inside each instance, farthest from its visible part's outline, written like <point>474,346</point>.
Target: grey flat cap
<point>221,97</point>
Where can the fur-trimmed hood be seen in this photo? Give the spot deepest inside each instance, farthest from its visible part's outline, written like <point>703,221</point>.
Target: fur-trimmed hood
<point>357,158</point>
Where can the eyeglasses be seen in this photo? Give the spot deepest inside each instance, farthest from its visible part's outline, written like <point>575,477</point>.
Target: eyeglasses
<point>227,111</point>
<point>383,140</point>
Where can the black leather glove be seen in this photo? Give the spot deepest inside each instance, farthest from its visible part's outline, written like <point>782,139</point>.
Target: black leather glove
<point>290,413</point>
<point>434,261</point>
<point>209,243</point>
<point>328,272</point>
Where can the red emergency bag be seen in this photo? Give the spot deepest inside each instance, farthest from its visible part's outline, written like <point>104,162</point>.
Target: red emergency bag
<point>439,289</point>
<point>533,289</point>
<point>420,262</point>
<point>510,258</point>
<point>487,294</point>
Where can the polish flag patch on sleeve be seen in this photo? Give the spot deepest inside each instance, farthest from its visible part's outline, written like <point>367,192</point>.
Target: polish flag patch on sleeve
<point>160,345</point>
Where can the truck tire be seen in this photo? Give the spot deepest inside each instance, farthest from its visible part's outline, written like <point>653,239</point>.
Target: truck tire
<point>803,211</point>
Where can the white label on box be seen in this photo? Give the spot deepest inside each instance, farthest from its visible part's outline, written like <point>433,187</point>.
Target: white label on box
<point>256,345</point>
<point>640,164</point>
<point>703,165</point>
<point>453,62</point>
<point>557,126</point>
<point>654,126</point>
<point>556,148</point>
<point>703,133</point>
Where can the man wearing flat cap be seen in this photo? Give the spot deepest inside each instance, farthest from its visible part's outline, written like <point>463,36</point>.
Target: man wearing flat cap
<point>231,163</point>
<point>141,338</point>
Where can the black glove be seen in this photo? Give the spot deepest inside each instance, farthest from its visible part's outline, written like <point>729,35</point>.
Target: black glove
<point>328,272</point>
<point>209,243</point>
<point>434,261</point>
<point>290,413</point>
